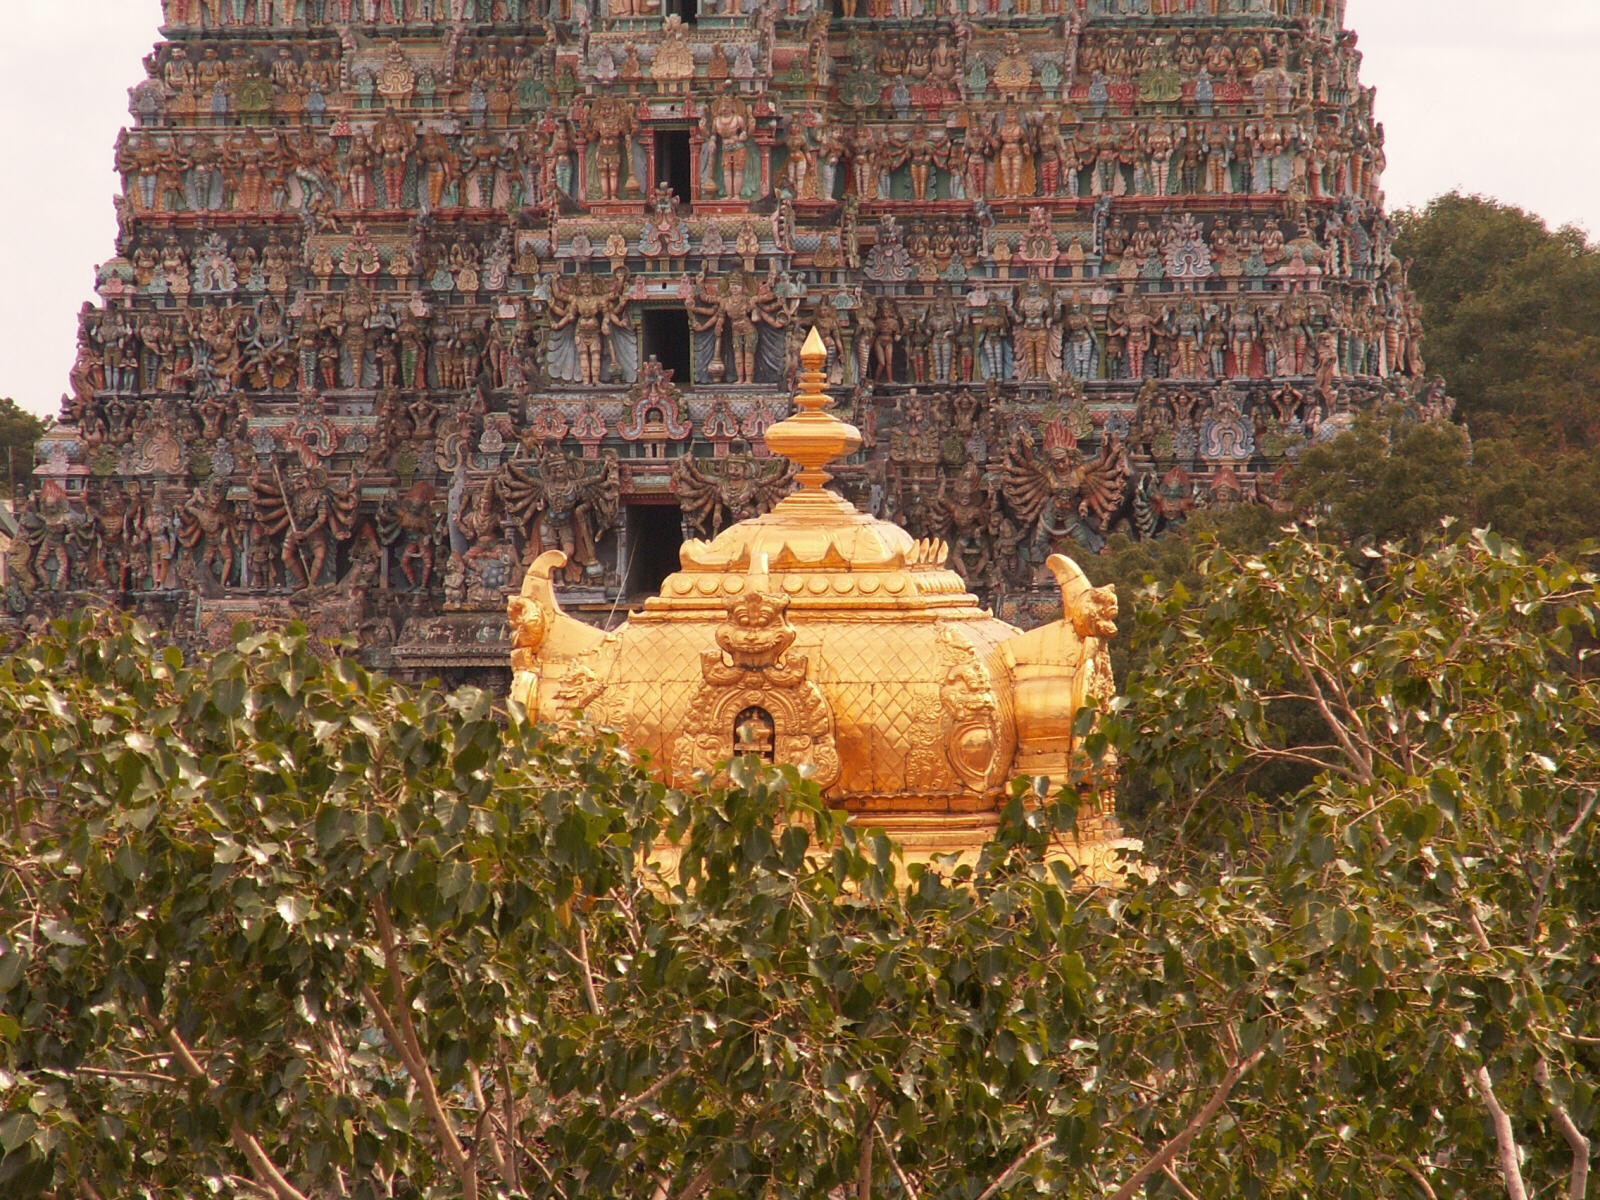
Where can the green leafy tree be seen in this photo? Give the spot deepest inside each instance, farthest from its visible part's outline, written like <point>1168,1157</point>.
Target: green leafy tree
<point>1512,311</point>
<point>1430,886</point>
<point>274,927</point>
<point>20,432</point>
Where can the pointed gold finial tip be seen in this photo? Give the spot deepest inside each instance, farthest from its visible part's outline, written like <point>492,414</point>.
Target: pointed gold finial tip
<point>813,355</point>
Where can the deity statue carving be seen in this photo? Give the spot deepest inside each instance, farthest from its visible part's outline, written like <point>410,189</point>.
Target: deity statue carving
<point>308,518</point>
<point>1037,331</point>
<point>799,173</point>
<point>600,337</point>
<point>611,128</point>
<point>727,320</point>
<point>726,132</point>
<point>556,502</point>
<point>715,493</point>
<point>406,526</point>
<point>209,532</point>
<point>1058,494</point>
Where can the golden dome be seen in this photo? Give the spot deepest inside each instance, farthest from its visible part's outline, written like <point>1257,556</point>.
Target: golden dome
<point>820,636</point>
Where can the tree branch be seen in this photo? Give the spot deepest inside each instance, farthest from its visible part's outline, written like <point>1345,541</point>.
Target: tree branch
<point>633,1102</point>
<point>993,1189</point>
<point>243,1139</point>
<point>1550,864</point>
<point>906,1186</point>
<point>1166,1169</point>
<point>1196,1126</point>
<point>121,1076</point>
<point>1417,1177</point>
<point>402,1035</point>
<point>589,992</point>
<point>513,1148</point>
<point>697,1185</point>
<point>1504,1136</point>
<point>1578,1186</point>
<point>864,1164</point>
<point>495,1150</point>
<point>864,1152</point>
<point>1361,762</point>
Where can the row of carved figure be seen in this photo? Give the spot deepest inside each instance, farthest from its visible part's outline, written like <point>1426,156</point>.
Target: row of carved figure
<point>1004,483</point>
<point>1028,334</point>
<point>1031,335</point>
<point>317,81</point>
<point>943,58</point>
<point>299,527</point>
<point>296,526</point>
<point>1158,63</point>
<point>1339,242</point>
<point>924,71</point>
<point>742,330</point>
<point>393,167</point>
<point>389,166</point>
<point>1013,153</point>
<point>222,14</point>
<point>225,14</point>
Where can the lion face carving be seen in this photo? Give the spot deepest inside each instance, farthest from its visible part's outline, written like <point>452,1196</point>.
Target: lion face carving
<point>1095,613</point>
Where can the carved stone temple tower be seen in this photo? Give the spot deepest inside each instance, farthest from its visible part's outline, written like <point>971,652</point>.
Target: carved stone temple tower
<point>409,293</point>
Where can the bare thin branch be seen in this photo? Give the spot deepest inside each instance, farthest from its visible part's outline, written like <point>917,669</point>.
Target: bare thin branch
<point>697,1185</point>
<point>1172,1176</point>
<point>1196,1126</point>
<point>1556,850</point>
<point>993,1189</point>
<point>1360,763</point>
<point>650,1093</point>
<point>246,1143</point>
<point>589,991</point>
<point>1504,1136</point>
<point>906,1186</point>
<point>486,1135</point>
<point>1417,1177</point>
<point>107,1073</point>
<point>402,1035</point>
<point>1578,1184</point>
<point>513,1148</point>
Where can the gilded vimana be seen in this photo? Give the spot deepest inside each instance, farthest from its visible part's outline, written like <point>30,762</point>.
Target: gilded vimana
<point>801,600</point>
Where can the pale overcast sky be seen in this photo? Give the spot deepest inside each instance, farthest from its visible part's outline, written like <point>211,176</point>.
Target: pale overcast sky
<point>1475,94</point>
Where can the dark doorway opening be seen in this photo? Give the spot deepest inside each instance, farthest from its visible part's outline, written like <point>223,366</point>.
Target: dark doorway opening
<point>655,532</point>
<point>675,163</point>
<point>666,339</point>
<point>687,10</point>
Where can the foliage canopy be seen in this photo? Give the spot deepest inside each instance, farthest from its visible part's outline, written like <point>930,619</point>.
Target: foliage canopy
<point>271,926</point>
<point>20,432</point>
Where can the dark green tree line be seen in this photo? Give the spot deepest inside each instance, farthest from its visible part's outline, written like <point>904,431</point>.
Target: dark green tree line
<point>20,432</point>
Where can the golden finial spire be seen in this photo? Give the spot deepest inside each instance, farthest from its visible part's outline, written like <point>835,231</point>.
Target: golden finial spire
<point>811,437</point>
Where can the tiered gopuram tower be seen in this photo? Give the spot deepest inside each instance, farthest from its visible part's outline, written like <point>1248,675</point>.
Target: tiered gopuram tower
<point>408,292</point>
